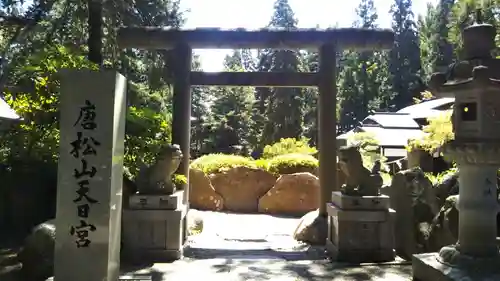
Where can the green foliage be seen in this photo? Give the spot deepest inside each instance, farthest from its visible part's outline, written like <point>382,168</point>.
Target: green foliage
<point>37,137</point>
<point>462,15</point>
<point>437,179</point>
<point>215,163</point>
<point>283,106</point>
<point>436,51</point>
<point>262,164</point>
<point>147,131</point>
<point>287,146</point>
<point>280,164</point>
<point>291,163</point>
<point>437,133</point>
<point>179,179</point>
<point>405,64</point>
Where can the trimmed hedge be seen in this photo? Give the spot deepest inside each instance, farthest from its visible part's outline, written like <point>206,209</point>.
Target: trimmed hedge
<point>292,163</point>
<point>288,146</point>
<point>284,157</point>
<point>282,164</point>
<point>215,163</point>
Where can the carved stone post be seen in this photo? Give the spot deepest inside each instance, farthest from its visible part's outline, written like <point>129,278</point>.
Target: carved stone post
<point>181,121</point>
<point>327,115</point>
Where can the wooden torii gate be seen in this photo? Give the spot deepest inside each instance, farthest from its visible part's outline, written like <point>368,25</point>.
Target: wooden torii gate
<point>327,41</point>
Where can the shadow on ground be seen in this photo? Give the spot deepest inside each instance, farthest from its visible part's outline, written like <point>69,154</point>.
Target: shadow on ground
<point>311,265</point>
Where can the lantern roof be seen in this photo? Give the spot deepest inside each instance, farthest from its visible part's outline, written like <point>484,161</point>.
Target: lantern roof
<point>478,69</point>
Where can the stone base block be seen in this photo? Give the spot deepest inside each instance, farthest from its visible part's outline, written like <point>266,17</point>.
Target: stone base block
<point>154,256</point>
<point>360,202</point>
<point>127,277</point>
<point>360,236</point>
<point>154,235</point>
<point>426,267</point>
<point>359,256</point>
<point>156,202</point>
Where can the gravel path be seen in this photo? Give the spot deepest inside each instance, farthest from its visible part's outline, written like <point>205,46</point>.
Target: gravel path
<point>253,247</point>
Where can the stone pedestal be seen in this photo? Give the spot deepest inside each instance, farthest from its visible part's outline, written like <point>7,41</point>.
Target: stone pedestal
<point>153,227</point>
<point>156,202</point>
<point>429,267</point>
<point>360,229</point>
<point>476,254</point>
<point>90,175</point>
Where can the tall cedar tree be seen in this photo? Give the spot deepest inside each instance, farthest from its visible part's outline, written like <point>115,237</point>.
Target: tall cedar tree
<point>284,108</point>
<point>405,66</point>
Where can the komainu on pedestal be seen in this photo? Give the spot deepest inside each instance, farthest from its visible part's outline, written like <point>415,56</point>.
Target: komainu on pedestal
<point>154,220</point>
<point>157,178</point>
<point>360,223</point>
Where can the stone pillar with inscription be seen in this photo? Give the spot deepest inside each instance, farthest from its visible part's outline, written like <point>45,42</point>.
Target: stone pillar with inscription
<point>90,175</point>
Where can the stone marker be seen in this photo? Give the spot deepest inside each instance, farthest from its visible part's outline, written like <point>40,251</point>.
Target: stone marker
<point>413,198</point>
<point>475,84</point>
<point>90,176</point>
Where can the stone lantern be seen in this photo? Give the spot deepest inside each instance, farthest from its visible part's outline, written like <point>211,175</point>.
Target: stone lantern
<point>475,84</point>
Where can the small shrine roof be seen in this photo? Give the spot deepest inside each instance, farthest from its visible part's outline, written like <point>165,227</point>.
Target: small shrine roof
<point>6,112</point>
<point>387,137</point>
<point>392,120</point>
<point>428,106</point>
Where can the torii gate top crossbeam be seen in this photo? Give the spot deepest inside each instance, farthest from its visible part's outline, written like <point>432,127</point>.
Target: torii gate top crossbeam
<point>214,38</point>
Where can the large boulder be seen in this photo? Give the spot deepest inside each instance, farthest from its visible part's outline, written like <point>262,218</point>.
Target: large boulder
<point>444,228</point>
<point>447,187</point>
<point>242,187</point>
<point>312,228</point>
<point>202,195</point>
<point>37,253</point>
<point>292,194</point>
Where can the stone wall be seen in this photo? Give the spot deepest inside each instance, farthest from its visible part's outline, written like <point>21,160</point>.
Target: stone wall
<point>248,190</point>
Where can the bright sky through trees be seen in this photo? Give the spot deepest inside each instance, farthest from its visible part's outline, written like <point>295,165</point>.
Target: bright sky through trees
<point>254,14</point>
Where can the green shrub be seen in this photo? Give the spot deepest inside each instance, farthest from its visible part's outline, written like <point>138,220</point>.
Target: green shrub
<point>179,179</point>
<point>387,178</point>
<point>292,163</point>
<point>438,132</point>
<point>262,164</point>
<point>214,163</point>
<point>437,179</point>
<point>288,146</point>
